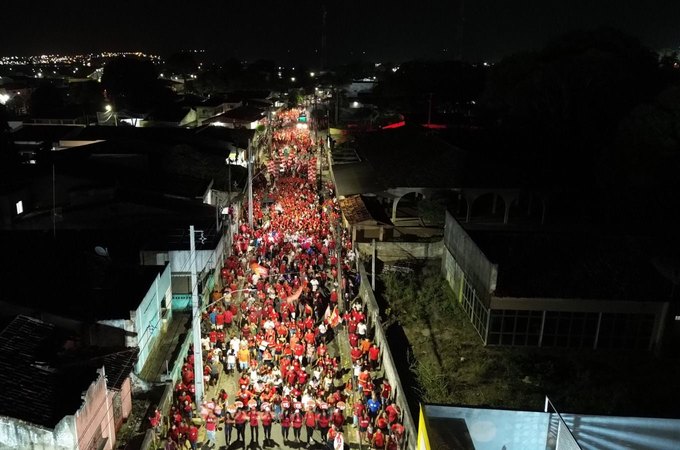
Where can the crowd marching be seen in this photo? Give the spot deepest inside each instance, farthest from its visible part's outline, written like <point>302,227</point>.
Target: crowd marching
<point>275,324</point>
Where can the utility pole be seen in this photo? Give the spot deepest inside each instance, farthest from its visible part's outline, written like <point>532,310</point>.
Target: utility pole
<point>196,322</point>
<point>337,106</point>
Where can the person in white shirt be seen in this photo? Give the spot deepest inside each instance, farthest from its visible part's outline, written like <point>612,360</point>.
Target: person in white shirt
<point>361,329</point>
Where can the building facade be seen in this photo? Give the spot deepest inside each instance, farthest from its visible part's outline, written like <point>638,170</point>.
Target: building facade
<point>542,321</point>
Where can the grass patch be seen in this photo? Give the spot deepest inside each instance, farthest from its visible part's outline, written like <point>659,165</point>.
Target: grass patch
<point>453,367</point>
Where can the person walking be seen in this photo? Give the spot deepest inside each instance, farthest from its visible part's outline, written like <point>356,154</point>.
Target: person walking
<point>297,424</point>
<point>310,425</point>
<point>254,425</point>
<point>240,423</point>
<point>228,426</point>
<point>267,419</point>
<point>210,429</point>
<point>323,421</point>
<point>285,425</point>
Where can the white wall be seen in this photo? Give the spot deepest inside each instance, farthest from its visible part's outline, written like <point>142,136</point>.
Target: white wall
<point>17,434</point>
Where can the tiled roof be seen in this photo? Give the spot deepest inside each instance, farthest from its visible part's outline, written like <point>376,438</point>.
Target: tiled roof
<point>43,379</point>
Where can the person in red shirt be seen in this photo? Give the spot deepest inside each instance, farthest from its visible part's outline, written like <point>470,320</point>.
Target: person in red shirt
<point>373,355</point>
<point>297,424</point>
<point>323,421</point>
<point>381,422</point>
<point>392,443</point>
<point>385,392</point>
<point>193,436</point>
<point>364,422</point>
<point>211,428</point>
<point>393,412</point>
<point>310,424</point>
<point>338,418</point>
<point>227,318</point>
<point>285,425</point>
<point>267,419</point>
<point>355,354</point>
<point>379,439</point>
<point>357,411</point>
<point>254,417</point>
<point>240,423</point>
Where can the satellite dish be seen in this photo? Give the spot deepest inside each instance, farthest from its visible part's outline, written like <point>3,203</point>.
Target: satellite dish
<point>101,251</point>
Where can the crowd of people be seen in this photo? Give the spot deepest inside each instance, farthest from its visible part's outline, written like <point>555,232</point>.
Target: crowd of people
<point>275,325</point>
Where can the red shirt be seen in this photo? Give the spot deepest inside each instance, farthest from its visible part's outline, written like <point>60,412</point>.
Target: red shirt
<point>379,439</point>
<point>310,419</point>
<point>373,353</point>
<point>254,418</point>
<point>323,420</point>
<point>193,433</point>
<point>267,419</point>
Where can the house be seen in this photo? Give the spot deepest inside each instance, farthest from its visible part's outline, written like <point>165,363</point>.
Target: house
<point>69,396</point>
<point>555,288</point>
<point>171,116</point>
<point>365,218</point>
<point>216,105</point>
<point>248,117</point>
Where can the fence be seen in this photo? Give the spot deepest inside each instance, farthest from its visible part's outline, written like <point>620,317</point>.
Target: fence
<point>368,297</point>
<point>559,434</point>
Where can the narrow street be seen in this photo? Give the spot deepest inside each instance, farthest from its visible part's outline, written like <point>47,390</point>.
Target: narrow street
<point>288,320</point>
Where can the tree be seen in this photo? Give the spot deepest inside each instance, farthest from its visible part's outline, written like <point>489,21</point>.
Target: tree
<point>88,95</point>
<point>132,83</point>
<point>182,63</point>
<point>45,100</point>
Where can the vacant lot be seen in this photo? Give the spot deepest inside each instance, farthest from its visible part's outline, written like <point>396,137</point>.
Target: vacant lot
<point>452,367</point>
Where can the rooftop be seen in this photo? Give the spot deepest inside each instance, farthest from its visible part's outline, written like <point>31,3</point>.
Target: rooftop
<point>410,157</point>
<point>570,265</point>
<point>44,375</point>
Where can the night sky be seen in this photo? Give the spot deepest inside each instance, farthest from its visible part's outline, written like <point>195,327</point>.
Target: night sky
<point>289,31</point>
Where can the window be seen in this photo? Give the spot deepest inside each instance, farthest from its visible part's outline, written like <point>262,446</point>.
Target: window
<point>20,207</point>
<point>626,331</point>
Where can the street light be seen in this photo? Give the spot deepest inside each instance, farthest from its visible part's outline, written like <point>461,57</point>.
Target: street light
<point>196,331</point>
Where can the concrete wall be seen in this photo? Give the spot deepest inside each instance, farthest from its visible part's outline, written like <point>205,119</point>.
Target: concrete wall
<point>148,316</point>
<point>479,270</point>
<point>180,260</point>
<point>392,251</point>
<point>391,373</point>
<point>17,434</point>
<point>126,397</point>
<point>94,419</point>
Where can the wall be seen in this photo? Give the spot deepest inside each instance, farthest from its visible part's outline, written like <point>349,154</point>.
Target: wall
<point>389,367</point>
<point>148,316</point>
<point>481,272</point>
<point>23,435</point>
<point>180,260</point>
<point>94,419</point>
<point>391,251</point>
